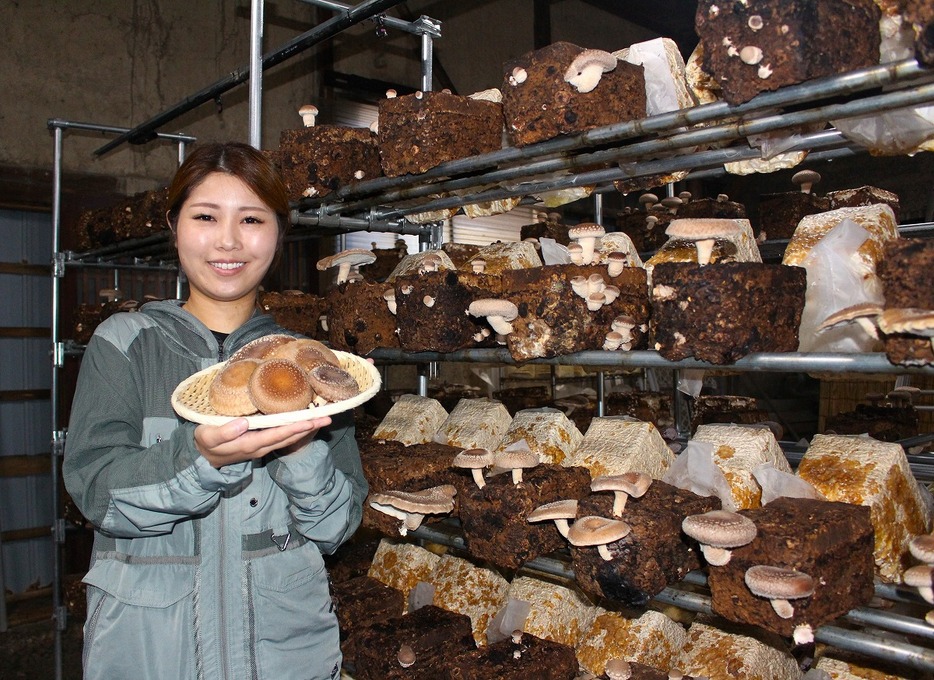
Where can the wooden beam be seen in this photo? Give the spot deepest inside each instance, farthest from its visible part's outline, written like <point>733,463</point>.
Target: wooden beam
<point>24,466</point>
<point>25,332</point>
<point>25,269</point>
<point>25,395</point>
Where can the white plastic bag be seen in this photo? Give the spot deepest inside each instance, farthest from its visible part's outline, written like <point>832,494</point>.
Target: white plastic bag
<point>694,470</point>
<point>836,279</point>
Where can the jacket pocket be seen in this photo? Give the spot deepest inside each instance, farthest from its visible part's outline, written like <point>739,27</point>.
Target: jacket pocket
<point>291,618</point>
<point>140,621</point>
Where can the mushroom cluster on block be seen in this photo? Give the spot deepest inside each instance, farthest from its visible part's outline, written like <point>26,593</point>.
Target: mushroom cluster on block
<point>921,576</point>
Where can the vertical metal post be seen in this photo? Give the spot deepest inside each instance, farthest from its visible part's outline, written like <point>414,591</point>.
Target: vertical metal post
<point>601,378</point>
<point>256,73</point>
<point>428,50</point>
<point>3,620</point>
<point>59,614</point>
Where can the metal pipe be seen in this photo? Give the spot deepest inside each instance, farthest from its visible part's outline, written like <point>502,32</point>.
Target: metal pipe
<point>427,61</point>
<point>418,28</point>
<point>678,142</point>
<point>869,78</point>
<point>777,362</point>
<point>876,646</point>
<point>359,224</point>
<point>58,612</point>
<point>145,131</point>
<point>256,74</point>
<point>58,123</point>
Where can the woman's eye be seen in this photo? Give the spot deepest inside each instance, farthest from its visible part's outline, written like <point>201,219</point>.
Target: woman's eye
<point>203,217</point>
<point>253,220</point>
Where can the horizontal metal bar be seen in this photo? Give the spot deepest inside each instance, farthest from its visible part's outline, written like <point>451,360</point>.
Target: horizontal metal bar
<point>431,27</point>
<point>145,131</point>
<point>834,86</point>
<point>778,362</point>
<point>71,125</point>
<point>877,646</point>
<point>344,224</point>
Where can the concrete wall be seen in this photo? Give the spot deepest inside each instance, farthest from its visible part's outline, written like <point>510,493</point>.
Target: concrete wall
<point>121,62</point>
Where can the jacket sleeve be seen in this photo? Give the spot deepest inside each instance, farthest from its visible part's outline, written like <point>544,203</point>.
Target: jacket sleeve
<point>325,486</point>
<point>122,486</point>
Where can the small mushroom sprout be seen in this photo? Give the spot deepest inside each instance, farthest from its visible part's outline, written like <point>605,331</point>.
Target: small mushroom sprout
<point>779,585</point>
<point>623,486</point>
<point>587,69</point>
<point>599,532</point>
<point>406,656</point>
<point>561,512</point>
<point>921,576</point>
<point>308,112</point>
<point>618,669</point>
<point>703,232</point>
<point>389,295</point>
<point>499,313</point>
<point>475,460</point>
<point>412,506</point>
<point>805,180</point>
<point>718,532</point>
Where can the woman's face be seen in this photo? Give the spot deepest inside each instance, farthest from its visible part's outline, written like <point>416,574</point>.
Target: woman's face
<point>226,239</point>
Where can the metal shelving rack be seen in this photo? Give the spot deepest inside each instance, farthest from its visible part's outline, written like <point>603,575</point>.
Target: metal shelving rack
<point>657,145</point>
<point>61,260</point>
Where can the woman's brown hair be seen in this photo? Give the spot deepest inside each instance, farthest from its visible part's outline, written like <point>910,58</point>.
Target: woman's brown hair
<point>242,161</point>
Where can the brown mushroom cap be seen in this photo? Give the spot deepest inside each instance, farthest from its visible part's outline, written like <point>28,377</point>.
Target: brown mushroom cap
<point>475,460</point>
<point>229,392</point>
<point>805,178</point>
<point>922,548</point>
<point>305,352</point>
<point>717,532</point>
<point>412,506</point>
<point>586,230</point>
<point>631,483</point>
<point>779,585</point>
<point>517,461</point>
<point>618,669</point>
<point>405,656</point>
<point>353,256</point>
<point>333,383</point>
<point>494,307</point>
<point>597,531</point>
<point>563,509</point>
<point>280,386</point>
<point>698,228</point>
<point>910,321</point>
<point>261,347</point>
<point>919,576</point>
<point>869,310</point>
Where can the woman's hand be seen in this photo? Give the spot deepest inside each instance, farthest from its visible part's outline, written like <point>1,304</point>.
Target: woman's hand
<point>233,443</point>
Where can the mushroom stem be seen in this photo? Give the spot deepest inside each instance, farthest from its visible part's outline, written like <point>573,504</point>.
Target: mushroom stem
<point>517,476</point>
<point>604,551</point>
<point>343,271</point>
<point>716,557</point>
<point>563,527</point>
<point>867,325</point>
<point>619,502</point>
<point>500,325</point>
<point>704,250</point>
<point>783,608</point>
<point>478,477</point>
<point>587,248</point>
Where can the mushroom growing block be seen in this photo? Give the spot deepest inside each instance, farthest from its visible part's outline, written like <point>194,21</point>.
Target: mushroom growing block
<point>314,161</point>
<point>475,424</point>
<point>738,450</point>
<point>420,131</point>
<point>829,542</point>
<point>860,470</point>
<point>495,518</point>
<point>553,319</point>
<point>547,432</point>
<point>907,275</point>
<point>654,554</point>
<point>724,311</point>
<point>615,445</point>
<point>402,565</point>
<point>727,653</point>
<point>361,601</point>
<point>517,657</point>
<point>463,587</point>
<point>358,318</point>
<point>729,240</point>
<point>413,419</point>
<point>547,103</point>
<point>653,639</point>
<point>753,47</point>
<point>557,613</point>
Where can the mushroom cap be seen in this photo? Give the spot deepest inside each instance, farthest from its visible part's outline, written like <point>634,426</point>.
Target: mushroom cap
<point>405,656</point>
<point>473,459</point>
<point>863,309</point>
<point>671,202</point>
<point>618,669</point>
<point>633,483</point>
<point>261,347</point>
<point>308,109</point>
<point>389,294</point>
<point>353,256</point>
<point>333,382</point>
<point>575,247</point>
<point>910,321</point>
<point>701,228</point>
<point>517,459</point>
<point>593,530</point>
<point>493,307</point>
<point>304,351</point>
<point>229,392</point>
<point>563,509</point>
<point>280,386</point>
<point>623,321</point>
<point>617,256</point>
<point>648,198</point>
<point>805,177</point>
<point>922,548</point>
<point>919,576</point>
<point>778,582</point>
<point>720,528</point>
<point>586,230</point>
<point>436,500</point>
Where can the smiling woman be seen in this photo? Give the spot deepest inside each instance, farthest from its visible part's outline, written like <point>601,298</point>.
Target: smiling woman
<point>207,555</point>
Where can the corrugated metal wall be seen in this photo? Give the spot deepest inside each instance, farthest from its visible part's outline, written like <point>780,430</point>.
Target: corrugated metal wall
<point>25,421</point>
